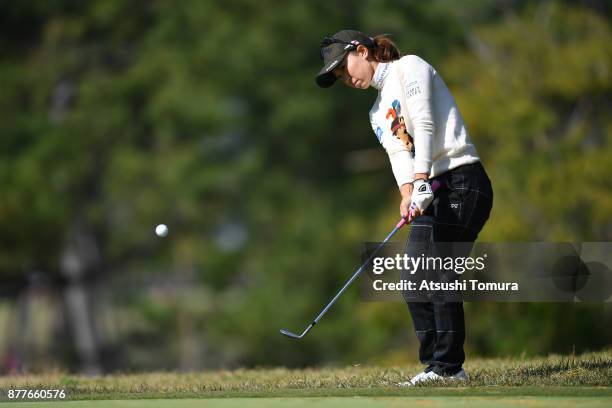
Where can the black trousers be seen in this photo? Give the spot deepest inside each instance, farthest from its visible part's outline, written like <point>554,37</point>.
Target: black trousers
<point>461,207</point>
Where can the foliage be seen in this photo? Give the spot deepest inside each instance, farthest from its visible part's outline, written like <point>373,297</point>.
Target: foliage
<point>116,116</point>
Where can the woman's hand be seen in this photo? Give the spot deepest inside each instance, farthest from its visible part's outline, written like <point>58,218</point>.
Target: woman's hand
<point>414,212</point>
<point>406,192</point>
<point>413,207</point>
<point>422,196</point>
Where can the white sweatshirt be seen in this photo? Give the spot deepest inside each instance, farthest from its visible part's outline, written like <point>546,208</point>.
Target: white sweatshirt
<point>417,121</point>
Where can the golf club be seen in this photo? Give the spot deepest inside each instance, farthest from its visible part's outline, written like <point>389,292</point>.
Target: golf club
<point>400,224</point>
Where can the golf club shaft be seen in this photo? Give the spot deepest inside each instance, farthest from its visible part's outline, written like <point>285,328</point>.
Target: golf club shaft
<point>358,272</point>
<point>434,186</point>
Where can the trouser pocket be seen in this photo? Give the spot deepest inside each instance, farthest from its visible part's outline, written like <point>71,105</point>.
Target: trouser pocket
<point>462,204</point>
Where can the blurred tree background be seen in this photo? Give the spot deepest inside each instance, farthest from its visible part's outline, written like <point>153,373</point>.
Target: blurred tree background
<point>119,115</point>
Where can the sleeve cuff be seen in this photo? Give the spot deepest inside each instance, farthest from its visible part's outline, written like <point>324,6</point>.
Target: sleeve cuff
<point>401,164</point>
<point>422,166</point>
<point>402,181</point>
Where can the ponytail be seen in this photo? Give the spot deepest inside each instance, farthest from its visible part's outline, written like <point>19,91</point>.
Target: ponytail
<point>384,49</point>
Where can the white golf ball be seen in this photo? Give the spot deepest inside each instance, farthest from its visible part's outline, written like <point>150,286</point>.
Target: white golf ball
<point>161,230</point>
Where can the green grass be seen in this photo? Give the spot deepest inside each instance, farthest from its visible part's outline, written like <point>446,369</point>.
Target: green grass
<point>553,380</point>
<point>336,402</point>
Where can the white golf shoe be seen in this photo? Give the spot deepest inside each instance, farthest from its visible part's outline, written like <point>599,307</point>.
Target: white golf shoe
<point>431,377</point>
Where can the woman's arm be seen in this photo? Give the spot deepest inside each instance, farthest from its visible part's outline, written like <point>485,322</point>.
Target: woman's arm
<point>400,157</point>
<point>417,80</point>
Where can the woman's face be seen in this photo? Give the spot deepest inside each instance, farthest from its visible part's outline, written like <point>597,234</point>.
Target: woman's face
<point>356,70</point>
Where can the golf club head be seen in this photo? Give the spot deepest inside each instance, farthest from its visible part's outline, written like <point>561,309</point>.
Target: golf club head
<point>290,334</point>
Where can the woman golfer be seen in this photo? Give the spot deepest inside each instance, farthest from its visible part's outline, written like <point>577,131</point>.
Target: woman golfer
<point>417,121</point>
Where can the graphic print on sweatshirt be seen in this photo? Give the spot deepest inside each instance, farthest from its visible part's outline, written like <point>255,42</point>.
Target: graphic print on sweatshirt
<point>398,127</point>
